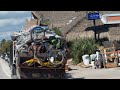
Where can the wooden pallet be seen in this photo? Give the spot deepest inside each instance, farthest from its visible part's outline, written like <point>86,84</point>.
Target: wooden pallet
<point>110,55</point>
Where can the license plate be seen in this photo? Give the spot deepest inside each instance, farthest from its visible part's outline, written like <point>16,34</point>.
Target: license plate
<point>36,75</point>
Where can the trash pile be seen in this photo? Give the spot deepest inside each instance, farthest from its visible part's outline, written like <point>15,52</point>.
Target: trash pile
<point>93,60</point>
<point>39,47</point>
<point>103,58</point>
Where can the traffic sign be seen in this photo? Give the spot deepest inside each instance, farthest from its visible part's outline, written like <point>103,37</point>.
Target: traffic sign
<point>93,16</point>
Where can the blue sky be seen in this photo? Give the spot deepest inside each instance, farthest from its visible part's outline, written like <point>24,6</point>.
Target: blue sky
<point>11,21</point>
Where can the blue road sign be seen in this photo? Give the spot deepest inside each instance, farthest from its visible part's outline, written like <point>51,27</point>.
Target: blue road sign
<point>93,16</point>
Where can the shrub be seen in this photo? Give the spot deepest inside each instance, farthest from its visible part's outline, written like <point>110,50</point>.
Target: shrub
<point>81,47</point>
<point>45,22</point>
<point>57,31</point>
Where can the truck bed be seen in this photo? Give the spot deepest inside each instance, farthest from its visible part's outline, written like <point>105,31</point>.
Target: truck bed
<point>41,73</point>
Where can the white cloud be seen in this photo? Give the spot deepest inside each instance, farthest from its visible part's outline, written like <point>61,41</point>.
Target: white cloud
<point>3,12</point>
<point>12,21</point>
<point>5,34</point>
<point>12,12</point>
<point>19,11</point>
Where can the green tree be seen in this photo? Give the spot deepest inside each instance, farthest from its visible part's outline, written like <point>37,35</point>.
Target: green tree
<point>5,45</point>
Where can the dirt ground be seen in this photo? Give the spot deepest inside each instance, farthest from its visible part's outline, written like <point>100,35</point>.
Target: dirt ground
<point>78,72</point>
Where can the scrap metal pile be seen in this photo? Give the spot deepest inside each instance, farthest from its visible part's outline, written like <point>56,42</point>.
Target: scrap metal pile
<point>40,47</point>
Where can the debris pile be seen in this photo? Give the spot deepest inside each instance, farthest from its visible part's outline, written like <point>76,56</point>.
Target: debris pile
<point>39,47</point>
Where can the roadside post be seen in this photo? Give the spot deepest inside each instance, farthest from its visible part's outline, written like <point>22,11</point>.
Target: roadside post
<point>94,16</point>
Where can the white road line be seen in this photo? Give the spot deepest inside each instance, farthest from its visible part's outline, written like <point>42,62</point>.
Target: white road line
<point>5,70</point>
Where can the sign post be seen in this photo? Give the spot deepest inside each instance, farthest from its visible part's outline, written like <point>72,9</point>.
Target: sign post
<point>94,16</point>
<point>94,29</point>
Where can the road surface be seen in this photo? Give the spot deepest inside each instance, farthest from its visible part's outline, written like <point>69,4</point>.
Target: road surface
<point>76,73</point>
<point>4,70</point>
<point>89,73</point>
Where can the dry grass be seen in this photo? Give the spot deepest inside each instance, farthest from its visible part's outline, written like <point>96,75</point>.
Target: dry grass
<point>83,65</point>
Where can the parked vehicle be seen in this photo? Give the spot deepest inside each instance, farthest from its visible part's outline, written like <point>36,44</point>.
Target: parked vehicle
<point>3,55</point>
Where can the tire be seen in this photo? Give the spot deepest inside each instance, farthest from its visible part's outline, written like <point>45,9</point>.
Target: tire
<point>62,58</point>
<point>13,72</point>
<point>9,64</point>
<point>14,76</point>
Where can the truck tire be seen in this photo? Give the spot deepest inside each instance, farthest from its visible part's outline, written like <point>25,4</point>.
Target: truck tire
<point>14,76</point>
<point>13,72</point>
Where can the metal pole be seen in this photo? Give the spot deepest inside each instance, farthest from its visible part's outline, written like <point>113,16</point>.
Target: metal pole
<point>94,30</point>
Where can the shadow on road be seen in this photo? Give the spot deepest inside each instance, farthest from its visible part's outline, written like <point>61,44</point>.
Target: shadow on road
<point>69,76</point>
<point>102,28</point>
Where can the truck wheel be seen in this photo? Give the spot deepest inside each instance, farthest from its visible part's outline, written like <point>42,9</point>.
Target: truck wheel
<point>13,72</point>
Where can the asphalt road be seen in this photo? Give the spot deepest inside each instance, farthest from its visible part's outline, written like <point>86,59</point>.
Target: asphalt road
<point>4,70</point>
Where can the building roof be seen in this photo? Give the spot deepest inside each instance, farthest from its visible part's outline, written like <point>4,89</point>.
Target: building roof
<point>29,23</point>
<point>57,18</point>
<point>62,19</point>
<point>67,20</point>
